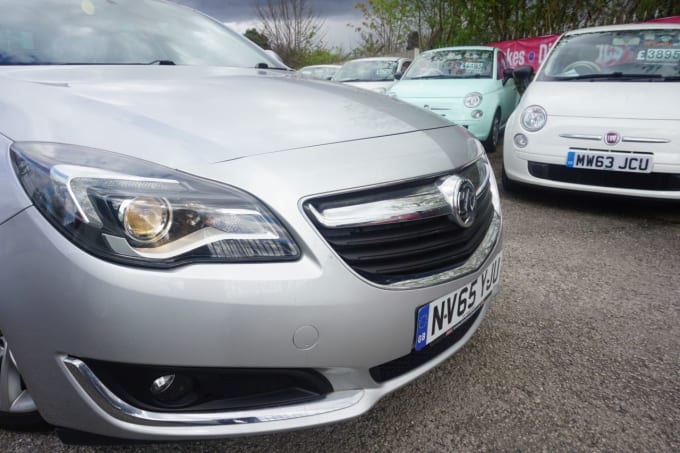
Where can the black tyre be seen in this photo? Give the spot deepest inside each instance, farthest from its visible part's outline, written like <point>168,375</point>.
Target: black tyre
<point>491,142</point>
<point>17,409</point>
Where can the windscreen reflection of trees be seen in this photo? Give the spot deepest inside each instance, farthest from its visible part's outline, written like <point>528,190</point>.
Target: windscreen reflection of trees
<point>650,52</point>
<point>367,71</point>
<point>452,64</point>
<point>120,32</point>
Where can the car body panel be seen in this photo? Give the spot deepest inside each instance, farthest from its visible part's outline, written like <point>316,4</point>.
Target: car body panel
<point>14,198</point>
<point>142,98</point>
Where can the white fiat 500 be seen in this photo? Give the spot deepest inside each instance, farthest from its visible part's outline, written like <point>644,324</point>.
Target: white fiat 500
<point>603,115</point>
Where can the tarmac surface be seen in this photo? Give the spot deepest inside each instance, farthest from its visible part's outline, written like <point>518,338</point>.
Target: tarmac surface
<point>580,352</point>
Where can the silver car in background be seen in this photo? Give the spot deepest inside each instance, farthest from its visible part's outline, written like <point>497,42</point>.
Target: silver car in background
<point>319,72</point>
<point>195,243</point>
<point>376,74</point>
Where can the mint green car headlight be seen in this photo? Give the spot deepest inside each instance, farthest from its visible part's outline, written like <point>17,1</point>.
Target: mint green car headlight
<point>473,99</point>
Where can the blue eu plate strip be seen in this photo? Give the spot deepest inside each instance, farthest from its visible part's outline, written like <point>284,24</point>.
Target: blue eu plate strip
<point>421,328</point>
<point>571,157</point>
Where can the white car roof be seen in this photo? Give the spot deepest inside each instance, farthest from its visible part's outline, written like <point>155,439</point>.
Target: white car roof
<point>640,26</point>
<point>379,59</point>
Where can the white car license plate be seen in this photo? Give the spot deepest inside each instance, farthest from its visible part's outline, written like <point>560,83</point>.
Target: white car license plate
<point>596,160</point>
<point>444,314</point>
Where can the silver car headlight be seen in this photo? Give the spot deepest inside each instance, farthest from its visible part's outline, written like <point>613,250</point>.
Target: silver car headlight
<point>534,118</point>
<point>472,100</point>
<point>134,212</point>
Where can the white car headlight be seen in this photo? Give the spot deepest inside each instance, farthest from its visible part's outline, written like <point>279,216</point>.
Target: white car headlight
<point>534,118</point>
<point>472,100</point>
<point>134,212</point>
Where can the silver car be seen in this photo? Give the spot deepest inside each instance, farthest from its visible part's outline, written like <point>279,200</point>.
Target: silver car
<point>196,244</point>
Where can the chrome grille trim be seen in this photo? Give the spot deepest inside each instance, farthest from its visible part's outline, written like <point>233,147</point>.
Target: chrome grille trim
<point>582,137</point>
<point>427,203</point>
<point>397,210</point>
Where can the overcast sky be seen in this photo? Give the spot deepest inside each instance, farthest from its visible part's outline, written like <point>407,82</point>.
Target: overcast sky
<point>240,15</point>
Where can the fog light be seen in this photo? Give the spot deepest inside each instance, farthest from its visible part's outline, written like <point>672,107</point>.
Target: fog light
<point>477,114</point>
<point>173,390</point>
<point>521,140</point>
<point>146,219</point>
<point>162,384</point>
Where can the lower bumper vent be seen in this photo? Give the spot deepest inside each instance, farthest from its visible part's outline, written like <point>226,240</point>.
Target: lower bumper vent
<point>180,389</point>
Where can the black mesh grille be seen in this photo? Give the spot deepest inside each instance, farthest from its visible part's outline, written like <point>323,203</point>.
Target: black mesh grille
<point>410,249</point>
<point>622,180</point>
<point>402,365</point>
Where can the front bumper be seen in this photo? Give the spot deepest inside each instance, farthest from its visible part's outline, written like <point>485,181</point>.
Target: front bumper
<point>200,316</point>
<point>549,148</point>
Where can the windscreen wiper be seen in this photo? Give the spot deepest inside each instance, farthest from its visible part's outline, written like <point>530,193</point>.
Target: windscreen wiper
<point>266,66</point>
<point>162,62</point>
<point>610,76</point>
<point>438,76</point>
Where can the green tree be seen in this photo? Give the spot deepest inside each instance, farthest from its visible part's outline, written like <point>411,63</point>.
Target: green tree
<point>321,55</point>
<point>385,26</point>
<point>258,38</point>
<point>458,22</point>
<point>292,28</point>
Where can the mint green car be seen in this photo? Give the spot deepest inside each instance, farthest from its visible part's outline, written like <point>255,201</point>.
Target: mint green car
<point>470,86</point>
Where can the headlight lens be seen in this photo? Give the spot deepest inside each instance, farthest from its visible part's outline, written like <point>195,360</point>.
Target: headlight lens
<point>134,212</point>
<point>534,118</point>
<point>146,219</point>
<point>472,100</point>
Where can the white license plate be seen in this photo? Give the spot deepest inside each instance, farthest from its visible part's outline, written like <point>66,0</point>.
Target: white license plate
<point>443,315</point>
<point>595,160</point>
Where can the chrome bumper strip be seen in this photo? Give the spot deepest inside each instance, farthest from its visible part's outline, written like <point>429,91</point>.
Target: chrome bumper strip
<point>582,137</point>
<point>124,411</point>
<point>598,138</point>
<point>644,140</point>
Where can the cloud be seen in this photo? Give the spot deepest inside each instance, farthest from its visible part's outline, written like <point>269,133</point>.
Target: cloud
<point>335,14</point>
<point>244,10</point>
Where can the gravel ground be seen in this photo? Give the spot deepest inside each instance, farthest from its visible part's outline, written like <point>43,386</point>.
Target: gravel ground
<point>580,352</point>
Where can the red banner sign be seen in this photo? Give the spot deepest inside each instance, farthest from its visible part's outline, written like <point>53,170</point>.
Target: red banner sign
<point>529,51</point>
<point>532,51</point>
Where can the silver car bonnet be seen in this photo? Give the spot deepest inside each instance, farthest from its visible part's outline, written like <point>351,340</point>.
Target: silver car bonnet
<point>183,116</point>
